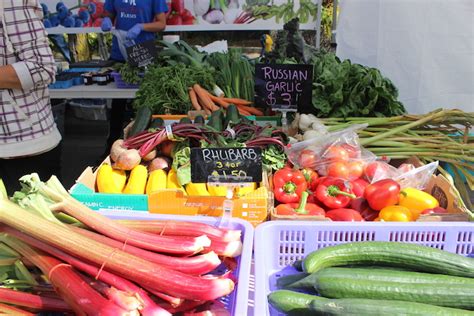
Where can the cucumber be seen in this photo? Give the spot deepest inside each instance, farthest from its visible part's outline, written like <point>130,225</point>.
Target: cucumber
<point>292,303</point>
<point>298,265</point>
<point>448,295</point>
<point>363,307</point>
<point>199,120</point>
<point>142,119</point>
<point>285,281</point>
<point>377,274</point>
<point>157,123</point>
<point>394,254</point>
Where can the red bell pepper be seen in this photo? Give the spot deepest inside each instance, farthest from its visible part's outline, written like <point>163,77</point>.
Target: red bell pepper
<point>311,177</point>
<point>301,208</point>
<point>174,19</point>
<point>358,187</point>
<point>344,215</point>
<point>382,193</point>
<point>435,210</point>
<point>334,192</point>
<point>362,206</point>
<point>288,185</point>
<point>177,6</point>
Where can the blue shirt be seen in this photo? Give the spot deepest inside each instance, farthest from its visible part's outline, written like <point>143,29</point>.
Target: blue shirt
<point>130,12</point>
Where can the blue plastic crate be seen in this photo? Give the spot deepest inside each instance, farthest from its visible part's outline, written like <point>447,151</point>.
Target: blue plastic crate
<point>237,302</point>
<point>280,243</point>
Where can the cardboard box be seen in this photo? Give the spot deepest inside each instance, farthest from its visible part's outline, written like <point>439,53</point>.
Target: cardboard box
<point>253,207</point>
<point>439,187</point>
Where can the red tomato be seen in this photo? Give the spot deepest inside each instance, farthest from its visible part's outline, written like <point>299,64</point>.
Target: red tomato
<point>353,151</point>
<point>338,169</point>
<point>405,167</point>
<point>344,215</point>
<point>371,169</point>
<point>356,169</point>
<point>308,159</point>
<point>336,153</point>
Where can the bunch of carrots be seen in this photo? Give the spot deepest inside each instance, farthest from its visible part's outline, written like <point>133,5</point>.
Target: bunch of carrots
<point>203,100</point>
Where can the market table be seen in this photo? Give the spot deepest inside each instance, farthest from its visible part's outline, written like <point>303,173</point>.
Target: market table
<point>110,91</point>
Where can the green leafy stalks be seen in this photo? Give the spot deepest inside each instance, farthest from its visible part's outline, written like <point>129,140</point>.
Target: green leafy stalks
<point>131,75</point>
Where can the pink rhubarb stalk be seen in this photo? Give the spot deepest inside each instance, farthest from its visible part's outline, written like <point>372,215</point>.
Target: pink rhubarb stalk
<point>196,265</point>
<point>174,301</point>
<point>150,308</point>
<point>181,228</point>
<point>11,310</point>
<point>83,299</point>
<point>33,301</point>
<point>143,272</point>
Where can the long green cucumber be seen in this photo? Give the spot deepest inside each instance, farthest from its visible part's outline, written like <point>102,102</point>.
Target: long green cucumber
<point>374,274</point>
<point>292,303</point>
<point>448,295</point>
<point>394,254</point>
<point>287,280</point>
<point>366,307</point>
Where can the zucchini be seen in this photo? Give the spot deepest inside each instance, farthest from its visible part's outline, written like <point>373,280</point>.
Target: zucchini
<point>375,274</point>
<point>185,120</point>
<point>199,120</point>
<point>394,254</point>
<point>231,115</point>
<point>142,119</point>
<point>157,123</point>
<point>292,303</point>
<point>448,295</point>
<point>362,307</point>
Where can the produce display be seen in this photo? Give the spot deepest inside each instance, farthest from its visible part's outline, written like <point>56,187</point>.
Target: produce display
<point>88,13</point>
<point>372,278</point>
<point>58,255</point>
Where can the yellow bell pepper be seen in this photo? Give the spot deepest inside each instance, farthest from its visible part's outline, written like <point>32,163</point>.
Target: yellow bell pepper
<point>396,213</point>
<point>137,181</point>
<point>110,180</point>
<point>197,189</point>
<point>416,200</point>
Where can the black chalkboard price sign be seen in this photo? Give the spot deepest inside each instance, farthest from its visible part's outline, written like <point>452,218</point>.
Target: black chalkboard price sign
<point>226,165</point>
<point>283,86</point>
<point>142,54</point>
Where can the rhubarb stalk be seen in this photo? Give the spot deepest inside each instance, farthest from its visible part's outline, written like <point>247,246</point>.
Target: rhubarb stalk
<point>150,308</point>
<point>33,301</point>
<point>148,274</point>
<point>11,310</point>
<point>76,293</point>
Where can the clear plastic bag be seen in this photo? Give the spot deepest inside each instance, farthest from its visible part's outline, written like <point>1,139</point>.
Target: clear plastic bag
<point>123,42</point>
<point>417,178</point>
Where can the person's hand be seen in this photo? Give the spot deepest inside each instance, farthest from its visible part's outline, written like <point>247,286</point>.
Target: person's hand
<point>106,24</point>
<point>134,31</point>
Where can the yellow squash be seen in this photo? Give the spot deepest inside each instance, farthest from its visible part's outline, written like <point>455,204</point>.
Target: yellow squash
<point>137,181</point>
<point>172,182</point>
<point>197,189</point>
<point>156,181</point>
<point>416,200</point>
<point>110,180</point>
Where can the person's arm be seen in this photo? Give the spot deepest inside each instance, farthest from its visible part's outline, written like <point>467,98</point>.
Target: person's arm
<point>158,24</point>
<point>35,65</point>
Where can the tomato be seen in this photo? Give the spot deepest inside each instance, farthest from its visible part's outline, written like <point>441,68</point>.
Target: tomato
<point>338,169</point>
<point>336,153</point>
<point>353,151</point>
<point>344,215</point>
<point>405,167</point>
<point>308,159</point>
<point>374,167</point>
<point>356,169</point>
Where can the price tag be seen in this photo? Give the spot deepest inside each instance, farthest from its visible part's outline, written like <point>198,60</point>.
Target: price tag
<point>284,86</point>
<point>226,165</point>
<point>142,54</point>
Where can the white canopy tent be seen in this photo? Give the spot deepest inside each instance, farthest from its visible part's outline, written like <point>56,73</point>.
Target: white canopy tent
<point>426,47</point>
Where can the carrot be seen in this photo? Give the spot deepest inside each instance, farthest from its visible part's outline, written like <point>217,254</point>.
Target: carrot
<point>194,100</point>
<point>237,101</point>
<point>219,101</point>
<point>243,112</point>
<point>250,109</point>
<point>204,97</point>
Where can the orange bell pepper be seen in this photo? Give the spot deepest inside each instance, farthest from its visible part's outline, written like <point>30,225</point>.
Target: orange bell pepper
<point>396,213</point>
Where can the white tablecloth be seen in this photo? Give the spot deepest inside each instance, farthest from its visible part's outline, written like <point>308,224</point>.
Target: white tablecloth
<point>426,47</point>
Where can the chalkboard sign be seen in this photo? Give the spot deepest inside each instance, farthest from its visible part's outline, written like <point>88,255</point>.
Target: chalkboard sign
<point>226,165</point>
<point>142,54</point>
<point>286,86</point>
